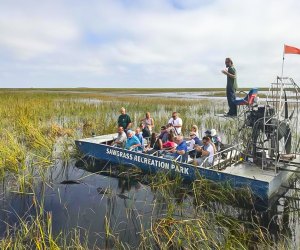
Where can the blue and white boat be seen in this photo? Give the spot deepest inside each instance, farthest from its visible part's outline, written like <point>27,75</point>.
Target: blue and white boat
<point>240,174</point>
<point>264,162</point>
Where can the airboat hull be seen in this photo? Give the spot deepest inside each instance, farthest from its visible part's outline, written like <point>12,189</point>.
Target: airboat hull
<point>263,184</point>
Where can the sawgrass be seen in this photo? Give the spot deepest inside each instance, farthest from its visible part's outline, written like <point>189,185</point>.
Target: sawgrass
<point>34,123</point>
<point>39,127</point>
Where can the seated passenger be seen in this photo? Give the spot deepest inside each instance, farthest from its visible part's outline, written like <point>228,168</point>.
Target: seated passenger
<point>120,141</point>
<point>139,135</point>
<point>181,149</point>
<point>215,139</point>
<point>169,144</point>
<point>194,141</point>
<point>213,145</point>
<point>163,134</point>
<point>207,151</point>
<point>195,129</point>
<point>132,142</point>
<point>145,130</point>
<point>208,134</point>
<point>153,146</point>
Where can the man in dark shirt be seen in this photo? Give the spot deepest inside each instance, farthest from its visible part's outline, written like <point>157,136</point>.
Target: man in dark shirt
<point>163,136</point>
<point>231,86</point>
<point>124,120</point>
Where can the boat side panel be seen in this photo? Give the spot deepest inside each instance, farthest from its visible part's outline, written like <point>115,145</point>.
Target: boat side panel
<point>153,164</point>
<point>147,163</point>
<point>259,188</point>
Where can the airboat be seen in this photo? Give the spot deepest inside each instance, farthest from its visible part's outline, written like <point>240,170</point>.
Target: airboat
<point>263,159</point>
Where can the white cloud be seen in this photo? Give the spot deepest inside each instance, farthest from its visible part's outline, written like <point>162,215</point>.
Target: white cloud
<point>168,43</point>
<point>27,36</point>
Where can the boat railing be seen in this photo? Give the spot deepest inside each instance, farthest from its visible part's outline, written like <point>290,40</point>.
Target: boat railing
<point>155,153</point>
<point>182,158</point>
<point>224,158</point>
<point>179,158</point>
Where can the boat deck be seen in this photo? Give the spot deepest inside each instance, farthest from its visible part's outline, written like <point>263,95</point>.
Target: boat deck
<point>250,170</point>
<point>101,138</point>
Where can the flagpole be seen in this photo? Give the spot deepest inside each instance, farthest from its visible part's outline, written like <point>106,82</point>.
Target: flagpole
<point>282,62</point>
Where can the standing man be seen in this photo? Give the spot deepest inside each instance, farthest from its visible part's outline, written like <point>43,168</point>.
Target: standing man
<point>124,120</point>
<point>231,86</point>
<point>176,123</point>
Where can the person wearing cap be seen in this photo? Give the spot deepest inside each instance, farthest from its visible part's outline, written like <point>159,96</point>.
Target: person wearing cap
<point>121,139</point>
<point>207,133</point>
<point>124,120</point>
<point>132,142</point>
<point>207,151</point>
<point>176,123</point>
<point>216,140</point>
<point>181,149</point>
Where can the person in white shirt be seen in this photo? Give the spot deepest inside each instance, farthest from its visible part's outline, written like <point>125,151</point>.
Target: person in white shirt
<point>207,151</point>
<point>194,141</point>
<point>176,123</point>
<point>121,139</point>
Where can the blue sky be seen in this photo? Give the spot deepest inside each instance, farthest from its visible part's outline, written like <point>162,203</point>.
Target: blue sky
<point>143,43</point>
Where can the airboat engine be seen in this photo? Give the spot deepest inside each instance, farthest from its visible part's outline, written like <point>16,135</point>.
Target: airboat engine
<point>271,124</point>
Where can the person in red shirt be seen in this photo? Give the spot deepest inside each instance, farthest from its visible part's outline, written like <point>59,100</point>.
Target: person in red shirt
<point>169,144</point>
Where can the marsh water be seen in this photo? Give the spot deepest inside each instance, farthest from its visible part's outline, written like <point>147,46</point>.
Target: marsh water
<point>94,197</point>
<point>89,200</point>
<point>80,197</point>
<point>210,95</point>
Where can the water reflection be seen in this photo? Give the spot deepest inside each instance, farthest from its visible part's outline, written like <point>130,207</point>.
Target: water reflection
<point>117,206</point>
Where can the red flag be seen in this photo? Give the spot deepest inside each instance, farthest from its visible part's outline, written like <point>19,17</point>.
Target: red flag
<point>291,50</point>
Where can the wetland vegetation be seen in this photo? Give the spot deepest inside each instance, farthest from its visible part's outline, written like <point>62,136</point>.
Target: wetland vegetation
<point>39,211</point>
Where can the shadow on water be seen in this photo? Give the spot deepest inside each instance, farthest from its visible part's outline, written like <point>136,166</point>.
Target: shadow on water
<point>113,205</point>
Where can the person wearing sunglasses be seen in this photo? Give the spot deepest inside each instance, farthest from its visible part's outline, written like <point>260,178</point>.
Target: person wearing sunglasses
<point>207,151</point>
<point>176,123</point>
